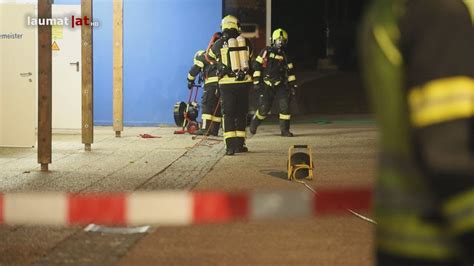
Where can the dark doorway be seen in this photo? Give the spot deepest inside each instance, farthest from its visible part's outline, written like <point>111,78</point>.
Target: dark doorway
<point>319,29</point>
<point>322,45</point>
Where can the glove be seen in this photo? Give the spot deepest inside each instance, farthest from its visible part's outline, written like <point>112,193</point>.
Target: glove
<point>190,84</point>
<point>221,70</point>
<point>240,76</point>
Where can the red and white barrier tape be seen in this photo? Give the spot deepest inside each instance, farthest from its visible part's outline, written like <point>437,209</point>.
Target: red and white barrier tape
<point>174,207</point>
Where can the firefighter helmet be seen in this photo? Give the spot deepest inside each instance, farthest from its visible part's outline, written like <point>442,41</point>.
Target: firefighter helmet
<point>230,22</point>
<point>279,38</point>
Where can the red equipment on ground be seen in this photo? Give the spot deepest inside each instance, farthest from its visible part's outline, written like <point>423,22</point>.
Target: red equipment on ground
<point>186,114</point>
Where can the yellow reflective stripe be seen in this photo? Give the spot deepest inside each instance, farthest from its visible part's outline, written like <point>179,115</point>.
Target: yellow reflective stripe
<point>241,134</point>
<point>190,77</point>
<point>216,119</point>
<point>230,134</point>
<point>291,78</point>
<point>230,25</point>
<point>231,80</point>
<point>257,74</point>
<point>470,7</point>
<point>211,118</point>
<point>386,44</point>
<point>279,57</point>
<point>461,226</point>
<point>206,117</point>
<point>408,225</point>
<point>224,54</point>
<point>199,63</point>
<point>460,210</point>
<point>259,116</point>
<point>442,100</point>
<point>272,84</point>
<point>459,203</point>
<point>256,82</point>
<point>211,54</point>
<point>290,66</point>
<point>408,236</point>
<point>285,117</point>
<point>211,80</point>
<point>413,249</point>
<point>259,59</point>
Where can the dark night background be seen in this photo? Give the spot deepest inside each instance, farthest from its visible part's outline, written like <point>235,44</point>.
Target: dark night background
<point>306,22</point>
<point>327,67</point>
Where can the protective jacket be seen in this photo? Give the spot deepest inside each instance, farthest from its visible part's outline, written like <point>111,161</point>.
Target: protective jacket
<point>419,68</point>
<point>211,109</point>
<point>273,67</point>
<point>202,65</point>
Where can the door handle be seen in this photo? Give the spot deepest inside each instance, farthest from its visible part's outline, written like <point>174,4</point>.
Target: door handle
<point>26,74</point>
<point>76,64</point>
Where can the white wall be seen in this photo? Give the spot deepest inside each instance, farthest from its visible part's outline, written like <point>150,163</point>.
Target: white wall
<point>19,1</point>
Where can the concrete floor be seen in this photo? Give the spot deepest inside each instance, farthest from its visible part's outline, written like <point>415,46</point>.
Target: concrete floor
<point>344,155</point>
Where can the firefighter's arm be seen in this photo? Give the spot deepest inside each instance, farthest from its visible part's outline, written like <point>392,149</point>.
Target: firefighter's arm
<point>441,85</point>
<point>194,71</point>
<point>258,67</point>
<point>249,43</point>
<point>214,53</point>
<point>291,77</point>
<point>440,77</point>
<point>291,74</point>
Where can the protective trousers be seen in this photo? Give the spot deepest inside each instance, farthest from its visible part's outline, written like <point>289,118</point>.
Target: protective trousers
<point>211,109</point>
<point>265,101</point>
<point>235,104</point>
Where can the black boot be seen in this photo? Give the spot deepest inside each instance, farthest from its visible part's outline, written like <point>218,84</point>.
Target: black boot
<point>200,132</point>
<point>240,145</point>
<point>204,128</point>
<point>215,129</point>
<point>285,128</point>
<point>230,146</point>
<point>254,125</point>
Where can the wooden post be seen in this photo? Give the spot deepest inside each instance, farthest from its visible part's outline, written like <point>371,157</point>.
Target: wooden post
<point>118,68</point>
<point>44,88</point>
<point>87,78</point>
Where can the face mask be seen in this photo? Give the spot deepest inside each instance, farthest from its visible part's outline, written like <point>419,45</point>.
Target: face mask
<point>280,43</point>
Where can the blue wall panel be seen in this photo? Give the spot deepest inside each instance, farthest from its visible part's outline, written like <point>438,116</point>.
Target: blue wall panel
<point>67,2</point>
<point>103,62</point>
<point>160,39</point>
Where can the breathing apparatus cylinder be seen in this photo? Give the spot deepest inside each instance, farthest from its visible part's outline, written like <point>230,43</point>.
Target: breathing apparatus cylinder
<point>243,54</point>
<point>234,55</point>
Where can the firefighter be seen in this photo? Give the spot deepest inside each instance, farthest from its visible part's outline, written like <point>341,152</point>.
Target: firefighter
<point>418,62</point>
<point>274,76</point>
<point>232,53</point>
<point>211,109</point>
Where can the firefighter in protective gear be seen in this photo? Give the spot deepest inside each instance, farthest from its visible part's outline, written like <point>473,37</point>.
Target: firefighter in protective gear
<point>211,109</point>
<point>274,76</point>
<point>232,53</point>
<point>421,81</point>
